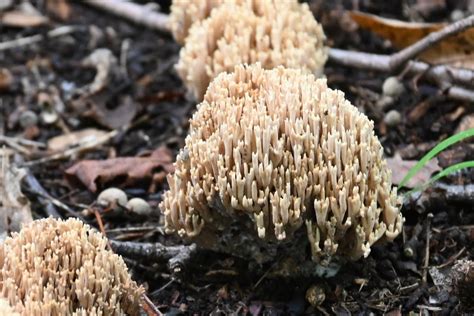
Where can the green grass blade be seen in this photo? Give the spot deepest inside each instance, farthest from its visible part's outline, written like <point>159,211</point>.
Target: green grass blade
<point>451,169</point>
<point>443,173</point>
<point>433,152</point>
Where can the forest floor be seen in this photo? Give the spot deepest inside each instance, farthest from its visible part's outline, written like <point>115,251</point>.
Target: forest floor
<point>148,109</point>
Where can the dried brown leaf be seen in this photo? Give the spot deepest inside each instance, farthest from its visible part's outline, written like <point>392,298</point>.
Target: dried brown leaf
<point>123,171</point>
<point>14,206</point>
<point>22,19</point>
<point>6,79</point>
<point>400,168</point>
<point>59,8</point>
<point>66,141</point>
<point>456,50</point>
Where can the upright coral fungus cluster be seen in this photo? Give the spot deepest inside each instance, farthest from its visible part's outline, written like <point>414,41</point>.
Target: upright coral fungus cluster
<point>272,153</point>
<point>55,267</point>
<point>185,13</point>
<point>236,32</point>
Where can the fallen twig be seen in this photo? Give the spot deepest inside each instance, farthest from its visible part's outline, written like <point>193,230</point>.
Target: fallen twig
<point>150,308</point>
<point>378,62</point>
<point>400,58</point>
<point>134,12</point>
<point>449,79</point>
<point>426,262</point>
<point>176,256</point>
<point>59,31</point>
<point>452,258</point>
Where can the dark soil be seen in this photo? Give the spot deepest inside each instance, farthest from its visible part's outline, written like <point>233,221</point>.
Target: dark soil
<point>394,279</point>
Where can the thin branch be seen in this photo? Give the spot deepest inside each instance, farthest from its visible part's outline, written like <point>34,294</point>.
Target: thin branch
<point>149,307</point>
<point>400,58</point>
<point>376,62</point>
<point>360,60</point>
<point>60,31</point>
<point>450,80</point>
<point>176,256</point>
<point>426,262</point>
<point>136,13</point>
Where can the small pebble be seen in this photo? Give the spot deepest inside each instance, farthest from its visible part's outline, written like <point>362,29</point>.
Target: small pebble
<point>139,206</point>
<point>456,15</point>
<point>392,118</point>
<point>28,119</point>
<point>113,198</point>
<point>392,87</point>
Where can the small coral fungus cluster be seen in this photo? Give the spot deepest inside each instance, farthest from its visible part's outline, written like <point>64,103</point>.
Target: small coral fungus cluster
<point>219,34</point>
<point>55,267</point>
<point>275,154</point>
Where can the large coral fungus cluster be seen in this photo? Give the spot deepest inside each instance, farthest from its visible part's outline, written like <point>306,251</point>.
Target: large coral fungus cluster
<point>236,32</point>
<point>272,151</point>
<point>55,267</point>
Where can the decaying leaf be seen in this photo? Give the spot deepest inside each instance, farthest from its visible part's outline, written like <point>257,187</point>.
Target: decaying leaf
<point>400,168</point>
<point>6,79</point>
<point>18,18</point>
<point>456,50</point>
<point>59,8</point>
<point>66,141</point>
<point>122,171</point>
<point>14,206</point>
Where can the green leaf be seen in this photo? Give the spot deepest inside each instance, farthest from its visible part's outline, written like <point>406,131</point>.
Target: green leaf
<point>435,151</point>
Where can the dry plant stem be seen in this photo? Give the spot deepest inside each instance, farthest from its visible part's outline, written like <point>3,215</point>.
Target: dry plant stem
<point>136,13</point>
<point>452,258</point>
<point>400,58</point>
<point>177,256</point>
<point>150,308</point>
<point>60,31</point>
<point>427,248</point>
<point>378,62</point>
